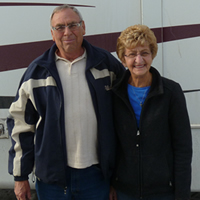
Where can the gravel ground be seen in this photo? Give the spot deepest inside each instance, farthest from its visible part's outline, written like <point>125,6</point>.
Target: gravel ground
<point>9,195</point>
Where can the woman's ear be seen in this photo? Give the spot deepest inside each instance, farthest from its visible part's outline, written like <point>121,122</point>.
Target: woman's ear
<point>123,63</point>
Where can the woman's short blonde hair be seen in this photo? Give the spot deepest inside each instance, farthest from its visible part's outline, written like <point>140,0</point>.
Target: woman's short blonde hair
<point>134,36</point>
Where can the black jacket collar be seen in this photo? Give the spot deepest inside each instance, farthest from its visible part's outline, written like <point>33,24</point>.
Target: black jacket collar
<point>120,87</point>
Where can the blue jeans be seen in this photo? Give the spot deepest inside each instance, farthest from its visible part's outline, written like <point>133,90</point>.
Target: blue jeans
<point>122,196</point>
<point>85,184</point>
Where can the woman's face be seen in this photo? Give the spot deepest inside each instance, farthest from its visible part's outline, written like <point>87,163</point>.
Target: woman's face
<point>138,60</point>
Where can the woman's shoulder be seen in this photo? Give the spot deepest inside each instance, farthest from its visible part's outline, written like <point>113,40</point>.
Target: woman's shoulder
<point>170,84</point>
<point>169,81</point>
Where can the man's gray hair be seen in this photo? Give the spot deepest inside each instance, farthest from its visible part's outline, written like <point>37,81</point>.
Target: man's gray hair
<point>66,6</point>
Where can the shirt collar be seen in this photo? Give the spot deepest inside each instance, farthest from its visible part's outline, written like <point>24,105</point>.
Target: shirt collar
<point>84,55</point>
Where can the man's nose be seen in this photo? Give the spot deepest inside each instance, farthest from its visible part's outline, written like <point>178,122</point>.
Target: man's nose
<point>67,31</point>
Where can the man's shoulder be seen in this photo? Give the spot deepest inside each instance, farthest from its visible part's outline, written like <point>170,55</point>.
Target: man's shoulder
<point>46,57</point>
<point>40,64</point>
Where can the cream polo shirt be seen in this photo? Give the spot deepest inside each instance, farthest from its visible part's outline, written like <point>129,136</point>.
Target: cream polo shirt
<point>80,118</point>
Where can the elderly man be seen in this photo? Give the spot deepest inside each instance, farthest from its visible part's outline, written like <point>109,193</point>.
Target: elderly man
<point>61,120</point>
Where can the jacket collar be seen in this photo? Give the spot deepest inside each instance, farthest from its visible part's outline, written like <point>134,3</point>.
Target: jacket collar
<point>47,59</point>
<point>156,87</point>
<point>94,56</point>
<point>157,83</point>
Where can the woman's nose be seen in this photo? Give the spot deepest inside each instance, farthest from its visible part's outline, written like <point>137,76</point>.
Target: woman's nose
<point>138,58</point>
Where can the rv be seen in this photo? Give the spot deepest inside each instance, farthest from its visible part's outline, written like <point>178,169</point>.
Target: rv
<point>25,34</point>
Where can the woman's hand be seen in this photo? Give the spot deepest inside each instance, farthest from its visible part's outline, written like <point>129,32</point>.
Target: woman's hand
<point>113,194</point>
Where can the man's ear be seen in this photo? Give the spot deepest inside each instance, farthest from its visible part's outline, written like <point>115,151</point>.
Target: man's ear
<point>83,27</point>
<point>52,34</point>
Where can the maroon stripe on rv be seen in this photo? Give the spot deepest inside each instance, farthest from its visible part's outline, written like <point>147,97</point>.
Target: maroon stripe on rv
<point>38,4</point>
<point>20,55</point>
<point>5,101</point>
<point>167,34</point>
<point>106,41</point>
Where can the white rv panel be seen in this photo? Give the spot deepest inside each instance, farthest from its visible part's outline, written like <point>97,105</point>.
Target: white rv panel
<point>180,12</point>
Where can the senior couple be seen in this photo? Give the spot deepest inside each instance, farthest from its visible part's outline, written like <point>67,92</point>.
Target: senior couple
<point>91,130</point>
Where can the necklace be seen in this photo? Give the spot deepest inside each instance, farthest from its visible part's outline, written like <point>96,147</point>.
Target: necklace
<point>141,102</point>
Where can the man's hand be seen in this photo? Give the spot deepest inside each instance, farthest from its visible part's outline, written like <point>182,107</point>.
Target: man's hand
<point>22,190</point>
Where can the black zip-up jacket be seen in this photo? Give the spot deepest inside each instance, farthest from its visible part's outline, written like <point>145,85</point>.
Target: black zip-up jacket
<point>156,159</point>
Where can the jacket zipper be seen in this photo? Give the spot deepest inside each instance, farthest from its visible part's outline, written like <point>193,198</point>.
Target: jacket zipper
<point>60,108</point>
<point>140,153</point>
<point>65,190</point>
<point>61,143</point>
<point>137,145</point>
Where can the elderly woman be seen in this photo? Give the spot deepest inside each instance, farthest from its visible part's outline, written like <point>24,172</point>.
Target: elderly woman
<point>154,137</point>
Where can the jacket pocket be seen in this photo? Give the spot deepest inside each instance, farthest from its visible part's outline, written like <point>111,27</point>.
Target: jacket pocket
<point>157,171</point>
<point>127,173</point>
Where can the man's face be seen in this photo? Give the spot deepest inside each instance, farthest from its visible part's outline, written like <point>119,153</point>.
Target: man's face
<point>68,42</point>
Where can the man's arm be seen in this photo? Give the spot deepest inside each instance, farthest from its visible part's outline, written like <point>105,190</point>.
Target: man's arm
<point>21,127</point>
<point>22,190</point>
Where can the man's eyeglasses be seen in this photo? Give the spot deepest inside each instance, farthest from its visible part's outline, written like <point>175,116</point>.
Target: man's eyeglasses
<point>71,27</point>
